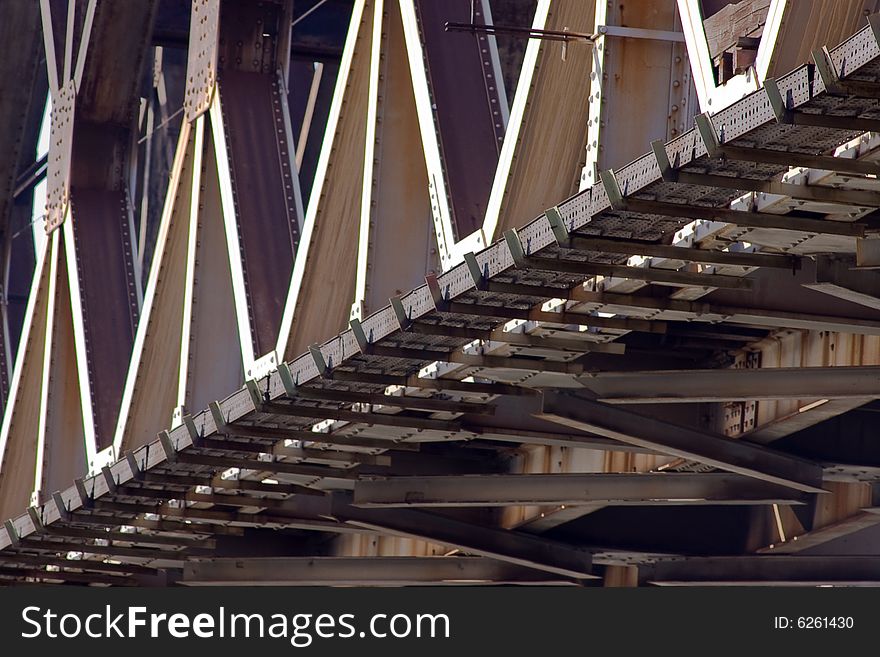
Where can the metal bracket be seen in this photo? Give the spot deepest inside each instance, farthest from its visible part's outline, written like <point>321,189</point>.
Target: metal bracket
<point>217,415</point>
<point>436,292</point>
<point>825,69</point>
<point>194,434</point>
<point>168,446</point>
<point>667,172</point>
<point>778,104</point>
<point>112,486</point>
<point>400,312</point>
<point>557,225</point>
<point>874,24</point>
<point>612,190</point>
<point>256,394</point>
<point>707,133</point>
<point>85,499</point>
<point>62,509</point>
<point>360,336</point>
<point>14,538</point>
<point>514,245</point>
<point>479,278</point>
<point>36,519</point>
<point>640,33</point>
<point>133,465</point>
<point>287,382</point>
<point>320,363</point>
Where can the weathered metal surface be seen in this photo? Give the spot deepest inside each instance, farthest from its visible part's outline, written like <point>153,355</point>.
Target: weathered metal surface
<point>60,149</point>
<point>331,219</point>
<point>548,127</point>
<point>361,571</point>
<point>107,299</point>
<point>567,489</point>
<point>465,109</point>
<point>204,35</point>
<point>395,202</point>
<point>18,438</point>
<point>62,452</point>
<point>263,190</point>
<point>146,395</point>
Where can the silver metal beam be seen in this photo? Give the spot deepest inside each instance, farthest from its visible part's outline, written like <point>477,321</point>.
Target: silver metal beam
<point>676,440</point>
<point>716,385</point>
<point>609,489</point>
<point>361,571</point>
<point>640,33</point>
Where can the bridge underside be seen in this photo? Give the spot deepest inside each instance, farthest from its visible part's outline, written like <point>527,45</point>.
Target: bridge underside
<point>323,294</point>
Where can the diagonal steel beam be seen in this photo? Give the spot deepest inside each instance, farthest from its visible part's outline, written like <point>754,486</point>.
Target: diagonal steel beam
<point>676,440</point>
<point>504,545</point>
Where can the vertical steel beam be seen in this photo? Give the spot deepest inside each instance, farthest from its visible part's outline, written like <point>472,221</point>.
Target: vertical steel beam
<point>639,87</point>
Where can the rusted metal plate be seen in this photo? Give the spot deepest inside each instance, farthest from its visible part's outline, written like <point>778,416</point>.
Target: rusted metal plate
<point>60,149</point>
<point>108,76</point>
<point>201,69</point>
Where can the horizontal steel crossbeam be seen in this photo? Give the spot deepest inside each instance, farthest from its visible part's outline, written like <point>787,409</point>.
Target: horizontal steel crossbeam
<point>360,571</point>
<point>715,385</point>
<point>607,489</point>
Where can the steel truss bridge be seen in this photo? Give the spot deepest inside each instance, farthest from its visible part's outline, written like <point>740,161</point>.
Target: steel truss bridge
<point>598,366</point>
